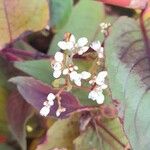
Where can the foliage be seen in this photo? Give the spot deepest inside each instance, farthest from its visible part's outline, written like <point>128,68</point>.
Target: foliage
<point>89,90</point>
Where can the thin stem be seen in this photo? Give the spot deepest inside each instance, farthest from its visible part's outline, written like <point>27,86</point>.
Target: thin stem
<point>83,109</point>
<point>12,57</point>
<point>144,32</point>
<point>111,134</point>
<point>7,20</point>
<point>61,90</point>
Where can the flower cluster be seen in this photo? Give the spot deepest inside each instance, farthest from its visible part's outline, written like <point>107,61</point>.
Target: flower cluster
<point>99,85</point>
<point>70,44</point>
<point>47,104</point>
<point>57,64</point>
<point>63,65</point>
<point>104,27</point>
<point>96,46</point>
<point>74,76</point>
<point>45,110</point>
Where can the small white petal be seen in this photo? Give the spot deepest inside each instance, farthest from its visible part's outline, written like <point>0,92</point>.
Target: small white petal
<point>85,75</point>
<point>57,66</point>
<point>45,111</point>
<point>71,69</point>
<point>100,98</point>
<point>96,45</point>
<point>102,49</point>
<point>73,75</point>
<point>83,50</point>
<point>101,52</point>
<point>62,45</point>
<point>58,113</point>
<point>75,67</point>
<point>92,81</point>
<point>93,95</point>
<point>59,56</point>
<point>102,24</point>
<point>101,77</point>
<point>80,52</point>
<point>72,39</point>
<point>51,96</point>
<point>57,73</point>
<point>65,71</point>
<point>82,42</point>
<point>69,45</point>
<point>104,86</point>
<point>51,102</point>
<point>100,55</point>
<point>77,82</point>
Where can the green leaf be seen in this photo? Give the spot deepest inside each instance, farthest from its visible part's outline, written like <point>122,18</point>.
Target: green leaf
<point>20,44</point>
<point>34,16</point>
<point>60,12</point>
<point>61,134</point>
<point>100,139</point>
<point>40,69</point>
<point>84,21</point>
<point>128,63</point>
<point>87,140</point>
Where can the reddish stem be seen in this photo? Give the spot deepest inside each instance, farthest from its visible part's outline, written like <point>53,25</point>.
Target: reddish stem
<point>111,134</point>
<point>144,32</point>
<point>23,53</point>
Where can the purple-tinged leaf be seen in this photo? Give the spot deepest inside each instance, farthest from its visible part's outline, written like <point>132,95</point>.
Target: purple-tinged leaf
<point>35,92</point>
<point>18,112</point>
<point>128,63</point>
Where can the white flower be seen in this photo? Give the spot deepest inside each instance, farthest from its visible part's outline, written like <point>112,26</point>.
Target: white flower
<point>71,44</point>
<point>57,73</point>
<point>92,95</point>
<point>45,111</point>
<point>97,96</point>
<point>65,71</point>
<point>82,45</point>
<point>57,66</point>
<point>101,78</point>
<point>76,77</point>
<point>85,75</point>
<point>97,92</point>
<point>66,45</point>
<point>83,50</point>
<point>70,69</point>
<point>51,98</point>
<point>82,42</point>
<point>59,57</point>
<point>47,104</point>
<point>59,111</point>
<point>96,45</point>
<point>104,26</point>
